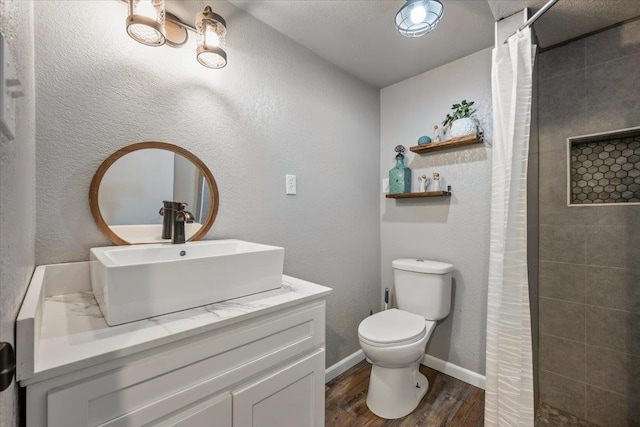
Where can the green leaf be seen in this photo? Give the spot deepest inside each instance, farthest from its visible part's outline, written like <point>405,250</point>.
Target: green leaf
<point>460,111</point>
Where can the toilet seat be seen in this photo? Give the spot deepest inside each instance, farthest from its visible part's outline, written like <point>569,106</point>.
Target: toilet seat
<point>393,328</point>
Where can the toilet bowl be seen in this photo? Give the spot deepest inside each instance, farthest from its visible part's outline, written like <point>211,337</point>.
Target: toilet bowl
<point>396,385</point>
<point>394,340</point>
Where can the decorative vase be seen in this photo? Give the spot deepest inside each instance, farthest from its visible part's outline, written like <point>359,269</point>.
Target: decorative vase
<point>400,176</point>
<point>424,140</point>
<point>463,127</point>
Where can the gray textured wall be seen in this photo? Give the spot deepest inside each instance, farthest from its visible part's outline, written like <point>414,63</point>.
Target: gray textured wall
<point>277,108</point>
<point>589,277</point>
<point>17,187</point>
<point>454,230</point>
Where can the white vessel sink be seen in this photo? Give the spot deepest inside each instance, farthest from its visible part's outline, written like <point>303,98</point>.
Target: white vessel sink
<point>137,282</point>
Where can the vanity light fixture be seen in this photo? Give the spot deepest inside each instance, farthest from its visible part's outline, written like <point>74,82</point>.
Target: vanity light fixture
<point>145,23</point>
<point>417,17</point>
<point>149,24</point>
<point>212,31</point>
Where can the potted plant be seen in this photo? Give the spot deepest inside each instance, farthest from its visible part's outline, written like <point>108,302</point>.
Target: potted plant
<point>460,123</point>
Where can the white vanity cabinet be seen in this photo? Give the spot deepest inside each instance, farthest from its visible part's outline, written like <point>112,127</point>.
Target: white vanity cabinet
<point>291,396</point>
<point>257,361</point>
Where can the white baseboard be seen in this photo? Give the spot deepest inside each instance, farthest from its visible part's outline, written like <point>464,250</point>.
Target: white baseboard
<point>343,366</point>
<point>455,371</point>
<point>439,365</point>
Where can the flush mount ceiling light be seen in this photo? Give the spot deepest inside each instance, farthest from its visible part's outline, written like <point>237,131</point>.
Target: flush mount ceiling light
<point>417,17</point>
<point>148,23</point>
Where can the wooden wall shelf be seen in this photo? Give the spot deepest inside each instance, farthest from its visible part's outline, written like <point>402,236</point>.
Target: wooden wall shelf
<point>419,195</point>
<point>446,145</point>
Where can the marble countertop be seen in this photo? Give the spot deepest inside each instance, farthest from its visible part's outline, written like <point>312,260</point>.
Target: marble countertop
<point>71,332</point>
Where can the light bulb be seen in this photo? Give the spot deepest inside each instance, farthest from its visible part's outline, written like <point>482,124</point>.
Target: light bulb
<point>211,38</point>
<point>418,14</point>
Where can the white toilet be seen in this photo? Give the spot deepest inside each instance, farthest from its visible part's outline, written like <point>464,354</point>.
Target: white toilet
<point>394,340</point>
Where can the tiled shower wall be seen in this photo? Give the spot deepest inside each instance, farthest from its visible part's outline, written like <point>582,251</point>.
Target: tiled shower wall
<point>589,270</point>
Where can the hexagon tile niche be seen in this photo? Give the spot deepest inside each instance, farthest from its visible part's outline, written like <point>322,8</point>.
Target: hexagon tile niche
<point>605,168</point>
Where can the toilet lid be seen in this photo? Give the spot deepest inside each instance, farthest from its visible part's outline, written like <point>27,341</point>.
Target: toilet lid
<point>422,266</point>
<point>392,326</point>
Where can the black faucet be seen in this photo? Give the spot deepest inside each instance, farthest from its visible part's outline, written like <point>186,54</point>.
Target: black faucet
<point>180,216</point>
<point>173,219</point>
<point>168,217</point>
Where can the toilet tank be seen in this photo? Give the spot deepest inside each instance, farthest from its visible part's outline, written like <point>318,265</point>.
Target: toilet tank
<point>423,287</point>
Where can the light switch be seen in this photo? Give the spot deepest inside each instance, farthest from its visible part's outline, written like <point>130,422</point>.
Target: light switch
<point>11,90</point>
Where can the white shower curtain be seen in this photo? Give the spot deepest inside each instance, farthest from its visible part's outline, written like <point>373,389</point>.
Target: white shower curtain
<point>509,386</point>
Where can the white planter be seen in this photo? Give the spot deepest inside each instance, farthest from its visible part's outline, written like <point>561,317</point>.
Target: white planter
<point>463,127</point>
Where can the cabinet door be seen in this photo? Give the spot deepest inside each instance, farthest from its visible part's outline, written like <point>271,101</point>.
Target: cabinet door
<point>291,396</point>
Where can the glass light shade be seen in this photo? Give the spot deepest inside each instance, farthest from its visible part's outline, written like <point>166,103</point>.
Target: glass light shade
<point>145,23</point>
<point>417,17</point>
<point>212,31</point>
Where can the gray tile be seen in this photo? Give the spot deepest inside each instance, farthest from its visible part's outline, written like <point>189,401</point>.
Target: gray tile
<point>552,182</point>
<point>610,409</point>
<point>613,371</point>
<point>533,274</point>
<point>613,93</point>
<point>613,329</point>
<point>553,167</point>
<point>613,246</point>
<point>562,281</point>
<point>562,356</point>
<point>563,393</point>
<point>613,44</point>
<point>554,130</point>
<point>548,416</point>
<point>627,216</point>
<point>562,319</point>
<point>562,109</point>
<point>563,59</point>
<point>617,288</point>
<point>559,94</point>
<point>533,171</point>
<point>553,209</point>
<point>535,338</point>
<point>562,244</point>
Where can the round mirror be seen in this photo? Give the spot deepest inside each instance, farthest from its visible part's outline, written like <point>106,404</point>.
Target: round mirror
<point>129,190</point>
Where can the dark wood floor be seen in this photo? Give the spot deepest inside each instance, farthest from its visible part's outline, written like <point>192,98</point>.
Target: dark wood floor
<point>448,403</point>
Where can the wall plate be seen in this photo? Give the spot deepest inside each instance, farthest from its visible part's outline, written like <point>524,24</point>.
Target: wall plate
<point>291,184</point>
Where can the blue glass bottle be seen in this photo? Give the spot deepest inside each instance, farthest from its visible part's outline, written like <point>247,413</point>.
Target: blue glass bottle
<point>400,176</point>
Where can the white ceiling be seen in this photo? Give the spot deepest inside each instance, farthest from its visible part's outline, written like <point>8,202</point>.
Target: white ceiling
<point>359,35</point>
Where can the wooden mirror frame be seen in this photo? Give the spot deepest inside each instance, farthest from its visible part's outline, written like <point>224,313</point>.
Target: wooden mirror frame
<point>102,170</point>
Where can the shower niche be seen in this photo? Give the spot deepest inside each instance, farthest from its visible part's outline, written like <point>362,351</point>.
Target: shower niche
<point>604,169</point>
